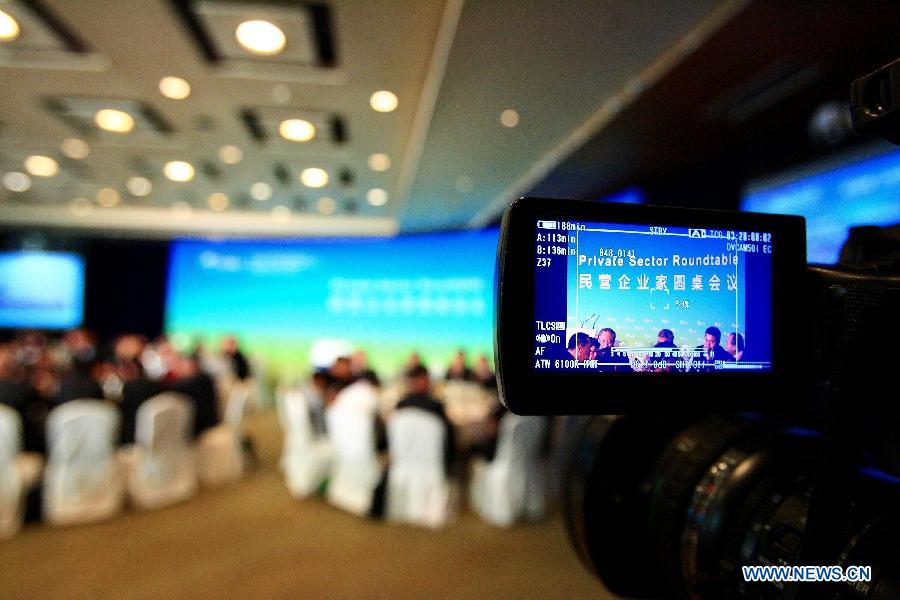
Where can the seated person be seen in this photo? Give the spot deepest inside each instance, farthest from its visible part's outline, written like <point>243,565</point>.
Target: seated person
<point>238,363</point>
<point>458,369</point>
<point>712,351</point>
<point>360,369</point>
<point>14,391</point>
<point>664,339</point>
<point>199,387</point>
<point>340,375</point>
<point>734,345</point>
<point>315,392</point>
<point>578,348</point>
<point>609,361</point>
<point>414,360</point>
<point>16,394</point>
<point>483,373</point>
<point>420,397</point>
<point>136,388</point>
<point>77,383</point>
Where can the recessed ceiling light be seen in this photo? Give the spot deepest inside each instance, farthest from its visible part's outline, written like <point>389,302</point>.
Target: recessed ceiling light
<point>509,118</point>
<point>377,197</point>
<point>179,170</point>
<point>379,162</point>
<point>108,197</point>
<point>75,148</point>
<point>326,205</point>
<point>139,186</point>
<point>314,177</point>
<point>281,214</point>
<point>117,121</point>
<point>260,37</point>
<point>217,201</point>
<point>41,166</point>
<point>81,207</point>
<point>16,182</point>
<point>175,88</point>
<point>9,28</point>
<point>230,155</point>
<point>261,191</point>
<point>297,130</point>
<point>383,101</point>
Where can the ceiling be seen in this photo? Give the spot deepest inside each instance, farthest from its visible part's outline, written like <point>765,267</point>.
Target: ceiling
<point>575,74</point>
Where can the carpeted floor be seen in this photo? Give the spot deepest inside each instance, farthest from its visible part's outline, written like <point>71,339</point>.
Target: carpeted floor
<point>252,540</point>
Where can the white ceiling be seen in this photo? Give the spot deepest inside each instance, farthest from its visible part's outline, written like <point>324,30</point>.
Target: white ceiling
<point>565,67</point>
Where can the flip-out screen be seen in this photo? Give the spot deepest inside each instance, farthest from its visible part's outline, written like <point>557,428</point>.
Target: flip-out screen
<point>651,298</point>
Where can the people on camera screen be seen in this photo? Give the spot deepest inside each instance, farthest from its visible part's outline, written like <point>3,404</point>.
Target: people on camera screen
<point>603,353</point>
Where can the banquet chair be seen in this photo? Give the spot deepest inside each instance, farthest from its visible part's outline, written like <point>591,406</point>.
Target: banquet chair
<point>306,456</point>
<point>220,452</point>
<point>19,472</point>
<point>418,491</point>
<point>355,470</point>
<point>160,468</point>
<point>511,486</point>
<point>83,480</point>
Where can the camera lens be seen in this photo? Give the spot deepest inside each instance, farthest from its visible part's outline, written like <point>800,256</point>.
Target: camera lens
<point>606,494</point>
<point>663,510</point>
<point>674,480</point>
<point>877,544</point>
<point>729,495</point>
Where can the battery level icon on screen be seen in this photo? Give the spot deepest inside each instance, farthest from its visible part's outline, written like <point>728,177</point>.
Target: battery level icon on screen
<point>547,224</point>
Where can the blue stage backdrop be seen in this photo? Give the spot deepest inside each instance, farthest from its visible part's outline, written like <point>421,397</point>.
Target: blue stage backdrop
<point>833,199</point>
<point>428,293</point>
<point>41,289</point>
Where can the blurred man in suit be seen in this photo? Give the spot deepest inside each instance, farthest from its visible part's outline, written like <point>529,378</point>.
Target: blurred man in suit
<point>194,383</point>
<point>136,389</point>
<point>734,345</point>
<point>712,351</point>
<point>609,361</point>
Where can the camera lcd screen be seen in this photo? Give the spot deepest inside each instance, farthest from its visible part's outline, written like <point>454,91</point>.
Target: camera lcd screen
<point>651,298</point>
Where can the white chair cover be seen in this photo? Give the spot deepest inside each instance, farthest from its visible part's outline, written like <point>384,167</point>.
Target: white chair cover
<point>161,469</point>
<point>18,472</point>
<point>355,471</point>
<point>306,457</point>
<point>236,403</point>
<point>418,491</point>
<point>83,481</point>
<point>220,458</point>
<point>511,486</point>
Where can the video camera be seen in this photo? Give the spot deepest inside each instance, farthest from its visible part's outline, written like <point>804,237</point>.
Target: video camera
<point>734,406</point>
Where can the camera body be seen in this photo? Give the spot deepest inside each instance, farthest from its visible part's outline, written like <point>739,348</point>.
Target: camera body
<point>696,461</point>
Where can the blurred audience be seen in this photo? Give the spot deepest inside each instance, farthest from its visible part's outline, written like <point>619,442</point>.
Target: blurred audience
<point>238,363</point>
<point>483,373</point>
<point>38,373</point>
<point>458,369</point>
